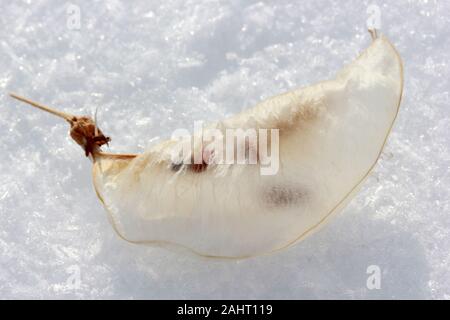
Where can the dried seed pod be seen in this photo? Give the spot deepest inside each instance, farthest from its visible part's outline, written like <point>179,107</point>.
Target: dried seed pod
<point>330,137</point>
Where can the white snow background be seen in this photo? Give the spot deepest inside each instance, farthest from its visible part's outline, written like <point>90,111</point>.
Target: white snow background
<point>154,66</point>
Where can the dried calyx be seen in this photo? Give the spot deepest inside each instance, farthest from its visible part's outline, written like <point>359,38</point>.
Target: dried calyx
<point>86,133</point>
<point>82,129</point>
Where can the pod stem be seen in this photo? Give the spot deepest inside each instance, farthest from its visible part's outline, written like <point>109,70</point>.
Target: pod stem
<point>57,113</point>
<point>83,130</point>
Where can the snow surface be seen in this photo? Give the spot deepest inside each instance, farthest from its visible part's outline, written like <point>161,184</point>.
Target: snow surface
<point>152,67</point>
